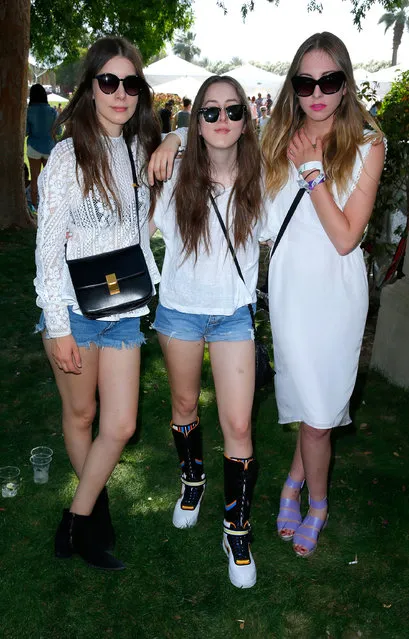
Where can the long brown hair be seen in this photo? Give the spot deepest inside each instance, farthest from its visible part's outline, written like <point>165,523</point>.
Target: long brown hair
<point>91,142</point>
<point>194,181</point>
<point>347,132</point>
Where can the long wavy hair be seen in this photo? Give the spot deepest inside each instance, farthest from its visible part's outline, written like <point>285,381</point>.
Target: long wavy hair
<point>195,181</point>
<point>91,141</point>
<point>349,129</point>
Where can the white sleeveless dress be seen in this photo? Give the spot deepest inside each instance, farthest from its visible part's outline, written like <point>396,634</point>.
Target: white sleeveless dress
<point>318,306</point>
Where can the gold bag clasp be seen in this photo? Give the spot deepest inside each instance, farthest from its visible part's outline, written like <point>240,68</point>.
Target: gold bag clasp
<point>113,285</point>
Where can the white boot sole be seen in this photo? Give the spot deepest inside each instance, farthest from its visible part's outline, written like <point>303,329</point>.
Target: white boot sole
<point>240,576</point>
<point>186,518</point>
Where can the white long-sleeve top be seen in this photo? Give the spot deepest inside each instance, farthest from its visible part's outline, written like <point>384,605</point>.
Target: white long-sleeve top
<point>210,285</point>
<point>90,226</point>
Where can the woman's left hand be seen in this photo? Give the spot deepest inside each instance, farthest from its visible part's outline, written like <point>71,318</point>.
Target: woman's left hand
<point>301,150</point>
<point>161,162</point>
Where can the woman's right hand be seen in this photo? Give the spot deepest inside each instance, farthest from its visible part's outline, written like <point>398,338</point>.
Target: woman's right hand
<point>66,354</point>
<point>162,160</point>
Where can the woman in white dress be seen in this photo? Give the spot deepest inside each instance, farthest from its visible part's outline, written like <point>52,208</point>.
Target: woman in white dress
<point>318,139</point>
<point>88,207</point>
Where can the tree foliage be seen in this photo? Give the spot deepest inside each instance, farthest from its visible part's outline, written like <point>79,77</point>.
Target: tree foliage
<point>373,65</point>
<point>61,27</point>
<point>185,47</point>
<point>359,8</point>
<point>398,18</point>
<point>68,74</point>
<point>393,193</point>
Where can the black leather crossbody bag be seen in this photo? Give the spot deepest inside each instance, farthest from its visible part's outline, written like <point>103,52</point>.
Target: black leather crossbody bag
<point>113,282</point>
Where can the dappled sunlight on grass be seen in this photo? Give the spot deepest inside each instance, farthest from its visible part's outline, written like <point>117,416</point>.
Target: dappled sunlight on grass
<point>207,397</point>
<point>176,583</point>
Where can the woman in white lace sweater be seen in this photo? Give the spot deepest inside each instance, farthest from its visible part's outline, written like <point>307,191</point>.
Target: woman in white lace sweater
<point>87,207</point>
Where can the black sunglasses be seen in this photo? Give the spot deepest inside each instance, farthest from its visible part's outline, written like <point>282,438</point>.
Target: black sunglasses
<point>331,83</point>
<point>234,112</point>
<point>109,83</point>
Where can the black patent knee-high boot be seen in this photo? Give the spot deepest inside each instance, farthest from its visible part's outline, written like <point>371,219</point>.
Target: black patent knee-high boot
<point>239,480</point>
<point>102,523</point>
<point>188,441</point>
<point>84,542</point>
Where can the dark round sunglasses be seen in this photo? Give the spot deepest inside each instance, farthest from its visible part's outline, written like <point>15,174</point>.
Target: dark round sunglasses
<point>328,84</point>
<point>109,83</point>
<point>234,112</point>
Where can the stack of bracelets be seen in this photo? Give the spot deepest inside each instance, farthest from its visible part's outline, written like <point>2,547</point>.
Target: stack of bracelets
<point>313,167</point>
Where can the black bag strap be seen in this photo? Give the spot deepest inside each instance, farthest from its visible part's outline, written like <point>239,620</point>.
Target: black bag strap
<point>283,227</point>
<point>135,186</point>
<point>286,220</point>
<point>232,251</point>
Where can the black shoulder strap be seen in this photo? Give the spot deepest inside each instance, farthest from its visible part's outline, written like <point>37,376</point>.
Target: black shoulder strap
<point>232,251</point>
<point>135,186</point>
<point>287,219</point>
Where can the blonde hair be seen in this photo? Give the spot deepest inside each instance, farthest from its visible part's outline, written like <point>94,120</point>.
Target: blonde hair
<point>348,132</point>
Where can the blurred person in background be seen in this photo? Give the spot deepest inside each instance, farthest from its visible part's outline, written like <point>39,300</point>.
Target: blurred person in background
<point>40,121</point>
<point>182,117</point>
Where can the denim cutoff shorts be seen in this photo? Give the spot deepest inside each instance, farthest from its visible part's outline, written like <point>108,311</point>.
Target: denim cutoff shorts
<point>125,332</point>
<point>212,328</point>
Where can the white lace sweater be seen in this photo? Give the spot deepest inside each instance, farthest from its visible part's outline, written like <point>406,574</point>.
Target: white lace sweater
<point>90,226</point>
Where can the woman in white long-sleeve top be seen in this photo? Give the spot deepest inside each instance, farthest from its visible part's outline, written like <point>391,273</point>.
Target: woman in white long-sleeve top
<point>88,207</point>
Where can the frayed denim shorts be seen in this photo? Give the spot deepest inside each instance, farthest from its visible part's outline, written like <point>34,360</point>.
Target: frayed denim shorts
<point>211,328</point>
<point>125,332</point>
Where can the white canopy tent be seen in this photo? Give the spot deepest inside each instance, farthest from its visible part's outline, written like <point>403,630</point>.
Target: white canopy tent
<point>184,87</point>
<point>171,68</point>
<point>362,75</point>
<point>53,97</point>
<point>382,79</point>
<point>255,80</point>
<point>249,75</point>
<point>389,74</point>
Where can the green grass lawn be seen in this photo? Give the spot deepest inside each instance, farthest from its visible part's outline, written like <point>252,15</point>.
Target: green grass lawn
<point>176,584</point>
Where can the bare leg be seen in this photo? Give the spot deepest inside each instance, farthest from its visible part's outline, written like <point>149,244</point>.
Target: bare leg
<point>297,474</point>
<point>233,366</point>
<point>183,361</point>
<point>315,446</point>
<point>118,384</point>
<point>35,168</point>
<point>78,404</point>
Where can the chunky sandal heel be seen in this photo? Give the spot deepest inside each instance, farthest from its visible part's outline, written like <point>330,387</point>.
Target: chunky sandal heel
<point>308,532</point>
<point>289,517</point>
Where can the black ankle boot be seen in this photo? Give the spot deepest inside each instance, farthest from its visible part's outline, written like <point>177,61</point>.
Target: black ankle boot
<point>101,520</point>
<point>239,480</point>
<point>62,541</point>
<point>84,543</point>
<point>188,441</point>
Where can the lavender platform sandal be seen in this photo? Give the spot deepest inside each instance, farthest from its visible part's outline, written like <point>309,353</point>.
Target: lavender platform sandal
<point>308,532</point>
<point>289,517</point>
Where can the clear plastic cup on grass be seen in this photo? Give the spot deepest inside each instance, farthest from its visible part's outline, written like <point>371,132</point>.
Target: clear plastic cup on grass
<point>41,467</point>
<point>42,450</point>
<point>10,481</point>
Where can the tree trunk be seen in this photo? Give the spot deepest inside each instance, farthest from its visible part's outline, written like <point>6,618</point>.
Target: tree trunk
<point>397,39</point>
<point>14,48</point>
